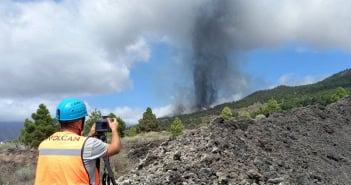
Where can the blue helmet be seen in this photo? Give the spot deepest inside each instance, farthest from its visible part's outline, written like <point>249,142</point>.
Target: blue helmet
<point>71,109</point>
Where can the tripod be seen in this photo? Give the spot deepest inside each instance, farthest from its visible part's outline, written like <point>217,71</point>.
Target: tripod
<point>107,177</point>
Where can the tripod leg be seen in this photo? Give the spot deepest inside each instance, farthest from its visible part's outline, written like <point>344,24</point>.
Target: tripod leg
<point>109,171</point>
<point>104,179</point>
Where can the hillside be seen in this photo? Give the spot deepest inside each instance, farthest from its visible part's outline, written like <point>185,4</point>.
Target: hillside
<point>298,96</point>
<point>303,146</point>
<point>10,130</point>
<point>341,79</point>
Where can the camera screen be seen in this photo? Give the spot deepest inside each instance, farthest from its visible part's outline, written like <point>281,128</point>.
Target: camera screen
<point>102,125</point>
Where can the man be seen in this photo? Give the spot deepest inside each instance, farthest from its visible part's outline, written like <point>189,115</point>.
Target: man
<point>67,157</point>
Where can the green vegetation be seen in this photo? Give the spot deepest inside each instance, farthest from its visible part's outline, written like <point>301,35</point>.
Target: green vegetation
<point>132,131</point>
<point>39,129</point>
<point>7,146</point>
<point>245,114</point>
<point>338,94</point>
<point>25,173</point>
<point>271,106</point>
<point>324,92</point>
<point>149,122</point>
<point>177,127</point>
<point>21,175</point>
<point>260,116</point>
<point>227,113</point>
<point>17,166</point>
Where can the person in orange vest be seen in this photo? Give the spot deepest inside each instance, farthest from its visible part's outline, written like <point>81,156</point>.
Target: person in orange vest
<point>67,157</point>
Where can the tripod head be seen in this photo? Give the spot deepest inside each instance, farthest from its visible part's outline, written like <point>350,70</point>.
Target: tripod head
<point>101,136</point>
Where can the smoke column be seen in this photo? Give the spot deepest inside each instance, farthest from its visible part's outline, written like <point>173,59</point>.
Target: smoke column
<point>210,49</point>
<point>223,30</point>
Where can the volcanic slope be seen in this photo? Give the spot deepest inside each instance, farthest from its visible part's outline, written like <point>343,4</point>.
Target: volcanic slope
<point>304,146</point>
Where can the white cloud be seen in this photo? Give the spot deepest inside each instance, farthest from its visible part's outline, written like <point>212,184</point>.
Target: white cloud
<point>81,48</point>
<point>295,80</point>
<point>50,50</point>
<point>132,115</point>
<point>47,50</point>
<point>20,109</point>
<point>139,51</point>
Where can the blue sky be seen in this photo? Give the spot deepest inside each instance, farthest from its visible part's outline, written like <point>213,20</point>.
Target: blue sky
<point>301,62</point>
<point>125,56</point>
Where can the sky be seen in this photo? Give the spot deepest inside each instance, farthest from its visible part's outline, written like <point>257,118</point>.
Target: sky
<point>173,56</point>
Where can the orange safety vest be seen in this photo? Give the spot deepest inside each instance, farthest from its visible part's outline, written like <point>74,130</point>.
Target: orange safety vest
<point>60,161</point>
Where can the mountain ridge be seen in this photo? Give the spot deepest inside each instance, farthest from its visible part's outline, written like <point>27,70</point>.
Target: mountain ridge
<point>10,130</point>
<point>280,93</point>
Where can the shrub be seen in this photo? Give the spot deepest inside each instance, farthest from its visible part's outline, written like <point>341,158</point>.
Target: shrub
<point>227,113</point>
<point>338,94</point>
<point>177,127</point>
<point>132,131</point>
<point>260,116</point>
<point>245,114</point>
<point>25,173</point>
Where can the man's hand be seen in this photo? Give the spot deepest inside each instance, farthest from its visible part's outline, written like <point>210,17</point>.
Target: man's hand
<point>115,146</point>
<point>113,123</point>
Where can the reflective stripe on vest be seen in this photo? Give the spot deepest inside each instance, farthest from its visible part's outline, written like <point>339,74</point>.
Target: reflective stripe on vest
<point>60,152</point>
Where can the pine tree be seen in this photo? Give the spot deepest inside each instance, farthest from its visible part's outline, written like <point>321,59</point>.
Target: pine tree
<point>42,126</point>
<point>177,127</point>
<point>149,122</point>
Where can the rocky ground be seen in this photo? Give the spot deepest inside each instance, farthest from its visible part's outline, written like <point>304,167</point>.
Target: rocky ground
<point>17,166</point>
<point>305,146</point>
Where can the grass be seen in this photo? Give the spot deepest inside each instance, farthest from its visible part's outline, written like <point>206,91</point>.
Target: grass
<point>25,174</point>
<point>148,136</point>
<point>7,145</point>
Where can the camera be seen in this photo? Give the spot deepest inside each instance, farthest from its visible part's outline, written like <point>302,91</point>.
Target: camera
<point>102,126</point>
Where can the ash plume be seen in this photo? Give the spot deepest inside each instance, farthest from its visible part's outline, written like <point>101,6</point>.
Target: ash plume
<point>213,73</point>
